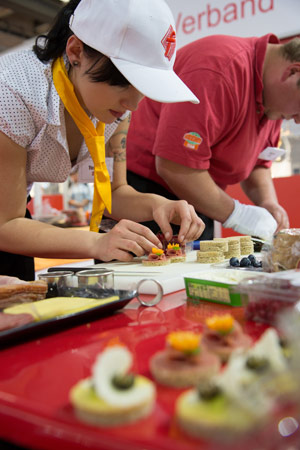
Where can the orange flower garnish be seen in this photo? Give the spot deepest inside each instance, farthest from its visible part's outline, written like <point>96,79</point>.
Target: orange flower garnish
<point>222,324</point>
<point>173,246</point>
<point>157,251</point>
<point>114,341</point>
<point>184,341</point>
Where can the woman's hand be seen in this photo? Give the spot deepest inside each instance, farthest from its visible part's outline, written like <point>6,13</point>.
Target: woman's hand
<point>180,213</point>
<point>125,240</point>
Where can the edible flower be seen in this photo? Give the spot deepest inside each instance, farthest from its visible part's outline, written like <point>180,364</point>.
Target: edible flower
<point>173,246</point>
<point>184,341</point>
<point>221,324</point>
<point>157,251</point>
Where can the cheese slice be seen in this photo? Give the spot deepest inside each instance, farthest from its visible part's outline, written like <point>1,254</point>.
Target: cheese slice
<point>58,306</point>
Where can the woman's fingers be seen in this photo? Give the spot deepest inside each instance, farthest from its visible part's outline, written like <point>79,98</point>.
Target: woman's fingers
<point>179,212</point>
<point>126,239</point>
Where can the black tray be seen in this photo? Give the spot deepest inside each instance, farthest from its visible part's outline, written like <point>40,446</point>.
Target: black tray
<point>34,330</point>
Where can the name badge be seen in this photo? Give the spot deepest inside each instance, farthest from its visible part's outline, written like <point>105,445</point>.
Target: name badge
<point>86,170</point>
<point>271,153</point>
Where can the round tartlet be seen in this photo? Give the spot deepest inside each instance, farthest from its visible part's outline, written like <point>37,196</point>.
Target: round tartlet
<point>184,362</point>
<point>112,395</point>
<point>92,409</point>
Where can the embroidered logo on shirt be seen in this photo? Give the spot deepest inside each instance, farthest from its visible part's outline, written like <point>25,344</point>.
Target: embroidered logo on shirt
<point>169,42</point>
<point>192,140</point>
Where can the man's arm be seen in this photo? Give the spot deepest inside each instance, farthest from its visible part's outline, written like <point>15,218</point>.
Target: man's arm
<point>259,188</point>
<point>197,188</point>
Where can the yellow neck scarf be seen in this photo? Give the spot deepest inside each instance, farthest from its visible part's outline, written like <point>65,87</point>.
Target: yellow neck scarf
<point>94,139</point>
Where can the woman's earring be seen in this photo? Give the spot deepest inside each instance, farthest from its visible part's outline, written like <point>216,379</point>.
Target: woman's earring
<point>75,63</point>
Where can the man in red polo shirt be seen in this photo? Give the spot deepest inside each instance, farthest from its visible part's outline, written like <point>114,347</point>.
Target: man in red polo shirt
<point>246,86</point>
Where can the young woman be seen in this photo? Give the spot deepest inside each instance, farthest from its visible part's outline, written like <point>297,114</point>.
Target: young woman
<point>92,68</point>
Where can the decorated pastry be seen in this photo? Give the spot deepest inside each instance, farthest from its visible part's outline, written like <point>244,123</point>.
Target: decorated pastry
<point>210,412</point>
<point>173,240</point>
<point>112,395</point>
<point>157,257</point>
<point>241,398</point>
<point>264,367</point>
<point>222,334</point>
<point>174,253</point>
<point>184,362</point>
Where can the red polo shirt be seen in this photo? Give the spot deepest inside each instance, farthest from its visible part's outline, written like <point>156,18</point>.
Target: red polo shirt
<point>226,131</point>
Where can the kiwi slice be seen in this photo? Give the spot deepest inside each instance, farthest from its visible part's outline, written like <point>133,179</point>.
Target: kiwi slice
<point>208,391</point>
<point>257,363</point>
<point>123,381</point>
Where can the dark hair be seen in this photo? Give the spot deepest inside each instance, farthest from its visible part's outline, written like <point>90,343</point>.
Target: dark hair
<point>53,44</point>
<point>291,51</point>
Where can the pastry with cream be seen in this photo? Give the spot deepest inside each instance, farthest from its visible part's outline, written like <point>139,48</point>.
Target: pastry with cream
<point>112,395</point>
<point>184,362</point>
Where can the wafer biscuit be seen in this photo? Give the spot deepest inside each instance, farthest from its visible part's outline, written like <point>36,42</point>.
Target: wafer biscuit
<point>214,245</point>
<point>209,257</point>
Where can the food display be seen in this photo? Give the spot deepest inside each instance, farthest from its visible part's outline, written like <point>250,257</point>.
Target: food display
<point>112,395</point>
<point>180,380</point>
<point>184,362</point>
<point>222,335</point>
<point>244,397</point>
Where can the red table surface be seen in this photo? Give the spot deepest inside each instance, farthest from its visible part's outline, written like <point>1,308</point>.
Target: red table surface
<point>36,377</point>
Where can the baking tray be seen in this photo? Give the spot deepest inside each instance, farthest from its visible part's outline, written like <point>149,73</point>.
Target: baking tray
<point>38,329</point>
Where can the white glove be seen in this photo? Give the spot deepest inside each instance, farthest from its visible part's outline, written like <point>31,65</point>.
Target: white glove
<point>251,220</point>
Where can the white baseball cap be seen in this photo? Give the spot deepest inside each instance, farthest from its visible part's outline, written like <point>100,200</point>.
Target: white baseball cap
<point>139,37</point>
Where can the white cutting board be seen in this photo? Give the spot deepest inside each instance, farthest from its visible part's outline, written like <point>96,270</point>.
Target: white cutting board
<point>169,276</point>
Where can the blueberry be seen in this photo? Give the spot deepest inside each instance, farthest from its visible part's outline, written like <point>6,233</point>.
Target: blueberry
<point>234,262</point>
<point>257,264</point>
<point>245,262</point>
<point>251,257</point>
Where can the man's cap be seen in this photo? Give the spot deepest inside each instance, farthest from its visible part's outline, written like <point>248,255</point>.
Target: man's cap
<point>139,37</point>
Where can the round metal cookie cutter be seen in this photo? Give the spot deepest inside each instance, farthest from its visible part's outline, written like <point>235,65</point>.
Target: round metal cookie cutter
<point>157,297</point>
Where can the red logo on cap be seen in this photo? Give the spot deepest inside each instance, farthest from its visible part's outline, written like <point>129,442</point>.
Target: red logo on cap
<point>169,42</point>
